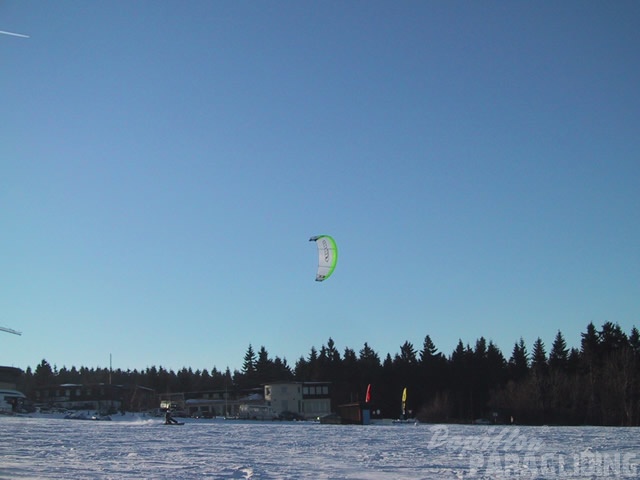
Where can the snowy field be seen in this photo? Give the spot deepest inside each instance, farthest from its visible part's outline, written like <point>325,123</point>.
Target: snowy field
<point>134,447</point>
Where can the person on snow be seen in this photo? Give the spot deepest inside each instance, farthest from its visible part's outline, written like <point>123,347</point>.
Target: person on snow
<point>168,419</point>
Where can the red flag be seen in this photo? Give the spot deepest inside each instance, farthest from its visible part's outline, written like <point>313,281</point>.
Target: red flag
<point>367,398</point>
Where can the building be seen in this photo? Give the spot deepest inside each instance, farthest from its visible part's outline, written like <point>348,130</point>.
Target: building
<point>354,413</point>
<point>285,400</point>
<point>254,407</point>
<point>11,400</point>
<point>100,397</point>
<point>305,399</point>
<point>247,404</point>
<point>316,399</point>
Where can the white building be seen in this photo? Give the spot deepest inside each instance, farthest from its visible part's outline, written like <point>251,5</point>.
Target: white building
<point>306,399</point>
<point>11,400</point>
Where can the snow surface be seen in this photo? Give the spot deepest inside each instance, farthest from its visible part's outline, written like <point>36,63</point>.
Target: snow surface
<point>136,447</point>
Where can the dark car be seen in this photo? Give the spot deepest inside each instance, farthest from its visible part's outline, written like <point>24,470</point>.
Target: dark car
<point>202,415</point>
<point>289,416</point>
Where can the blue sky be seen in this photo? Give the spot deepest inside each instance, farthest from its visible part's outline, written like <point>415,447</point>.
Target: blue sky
<point>163,165</point>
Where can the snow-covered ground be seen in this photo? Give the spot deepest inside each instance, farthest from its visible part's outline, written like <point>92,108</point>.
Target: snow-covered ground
<point>136,447</point>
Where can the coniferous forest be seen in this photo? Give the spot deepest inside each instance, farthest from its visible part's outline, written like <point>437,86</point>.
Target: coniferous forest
<point>595,384</point>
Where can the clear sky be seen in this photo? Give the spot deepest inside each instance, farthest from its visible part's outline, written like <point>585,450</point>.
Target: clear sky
<point>163,165</point>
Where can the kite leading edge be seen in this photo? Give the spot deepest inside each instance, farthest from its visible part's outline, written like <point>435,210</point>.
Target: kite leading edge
<point>327,256</point>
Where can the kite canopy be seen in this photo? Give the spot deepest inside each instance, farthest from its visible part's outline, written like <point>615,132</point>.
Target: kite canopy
<point>327,256</point>
<point>404,400</point>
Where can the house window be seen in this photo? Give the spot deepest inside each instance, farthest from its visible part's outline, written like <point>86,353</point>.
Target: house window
<point>305,390</point>
<point>325,390</point>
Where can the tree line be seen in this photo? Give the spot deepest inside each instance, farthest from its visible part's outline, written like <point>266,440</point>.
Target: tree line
<point>596,384</point>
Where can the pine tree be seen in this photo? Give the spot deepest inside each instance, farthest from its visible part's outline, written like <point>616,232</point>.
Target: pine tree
<point>590,345</point>
<point>368,358</point>
<point>333,355</point>
<point>496,366</point>
<point>249,372</point>
<point>612,338</point>
<point>408,355</point>
<point>301,370</point>
<point>264,366</point>
<point>313,362</point>
<point>428,351</point>
<point>281,370</point>
<point>519,361</point>
<point>590,355</point>
<point>634,341</point>
<point>559,355</point>
<point>539,357</point>
<point>462,375</point>
<point>43,375</point>
<point>249,364</point>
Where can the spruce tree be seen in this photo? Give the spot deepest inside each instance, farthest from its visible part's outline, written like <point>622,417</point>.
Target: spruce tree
<point>559,355</point>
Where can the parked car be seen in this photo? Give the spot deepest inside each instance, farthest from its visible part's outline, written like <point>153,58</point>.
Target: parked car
<point>202,415</point>
<point>286,415</point>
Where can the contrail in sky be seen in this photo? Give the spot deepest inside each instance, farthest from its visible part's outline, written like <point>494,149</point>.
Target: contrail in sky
<point>14,34</point>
